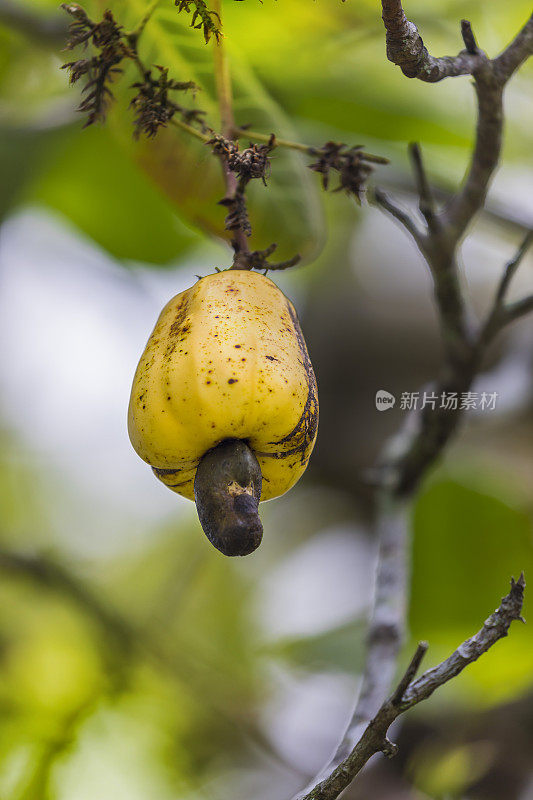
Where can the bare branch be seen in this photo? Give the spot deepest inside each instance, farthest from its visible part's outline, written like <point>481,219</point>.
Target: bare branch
<point>392,208</point>
<point>410,692</point>
<point>426,433</point>
<point>485,158</point>
<point>410,674</point>
<point>511,269</point>
<point>468,38</point>
<point>515,53</point>
<point>386,632</point>
<point>495,627</point>
<point>426,200</point>
<point>500,314</point>
<point>406,49</point>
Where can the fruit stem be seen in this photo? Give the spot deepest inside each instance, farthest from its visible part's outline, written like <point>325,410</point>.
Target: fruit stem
<point>227,489</point>
<point>227,119</point>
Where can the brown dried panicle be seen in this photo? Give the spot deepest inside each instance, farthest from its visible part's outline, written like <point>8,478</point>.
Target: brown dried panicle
<point>351,164</point>
<point>221,146</point>
<point>81,27</point>
<point>253,162</point>
<point>202,18</point>
<point>152,104</point>
<point>101,69</point>
<point>237,217</point>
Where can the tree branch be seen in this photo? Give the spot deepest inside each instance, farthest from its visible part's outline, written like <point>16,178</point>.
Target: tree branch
<point>501,314</point>
<point>391,207</point>
<point>471,198</point>
<point>426,203</point>
<point>406,49</point>
<point>464,344</point>
<point>496,627</point>
<point>426,432</point>
<point>409,692</point>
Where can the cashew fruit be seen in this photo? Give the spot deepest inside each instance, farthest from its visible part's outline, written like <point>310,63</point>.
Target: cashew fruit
<point>224,403</point>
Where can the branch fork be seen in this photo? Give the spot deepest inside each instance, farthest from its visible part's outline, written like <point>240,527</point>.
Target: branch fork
<point>437,233</point>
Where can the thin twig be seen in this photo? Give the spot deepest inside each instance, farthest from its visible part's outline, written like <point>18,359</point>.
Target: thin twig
<point>426,202</point>
<point>496,627</point>
<point>515,53</point>
<point>406,49</point>
<point>178,123</point>
<point>391,207</point>
<point>308,149</point>
<point>410,674</point>
<point>409,692</point>
<point>519,309</point>
<point>500,314</point>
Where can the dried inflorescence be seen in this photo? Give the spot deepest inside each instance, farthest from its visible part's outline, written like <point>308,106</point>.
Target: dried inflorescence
<point>202,18</point>
<point>350,162</point>
<point>152,104</point>
<point>101,69</point>
<point>81,27</point>
<point>253,162</point>
<point>154,108</point>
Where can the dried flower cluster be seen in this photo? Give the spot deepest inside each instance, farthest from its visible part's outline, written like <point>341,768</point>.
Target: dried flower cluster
<point>202,17</point>
<point>246,165</point>
<point>350,162</point>
<point>237,218</point>
<point>153,106</point>
<point>100,70</point>
<point>253,162</point>
<point>152,103</point>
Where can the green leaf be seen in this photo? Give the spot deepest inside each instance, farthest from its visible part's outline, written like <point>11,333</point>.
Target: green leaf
<point>92,182</point>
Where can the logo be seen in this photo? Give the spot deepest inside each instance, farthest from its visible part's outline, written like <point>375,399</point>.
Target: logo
<point>384,400</point>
